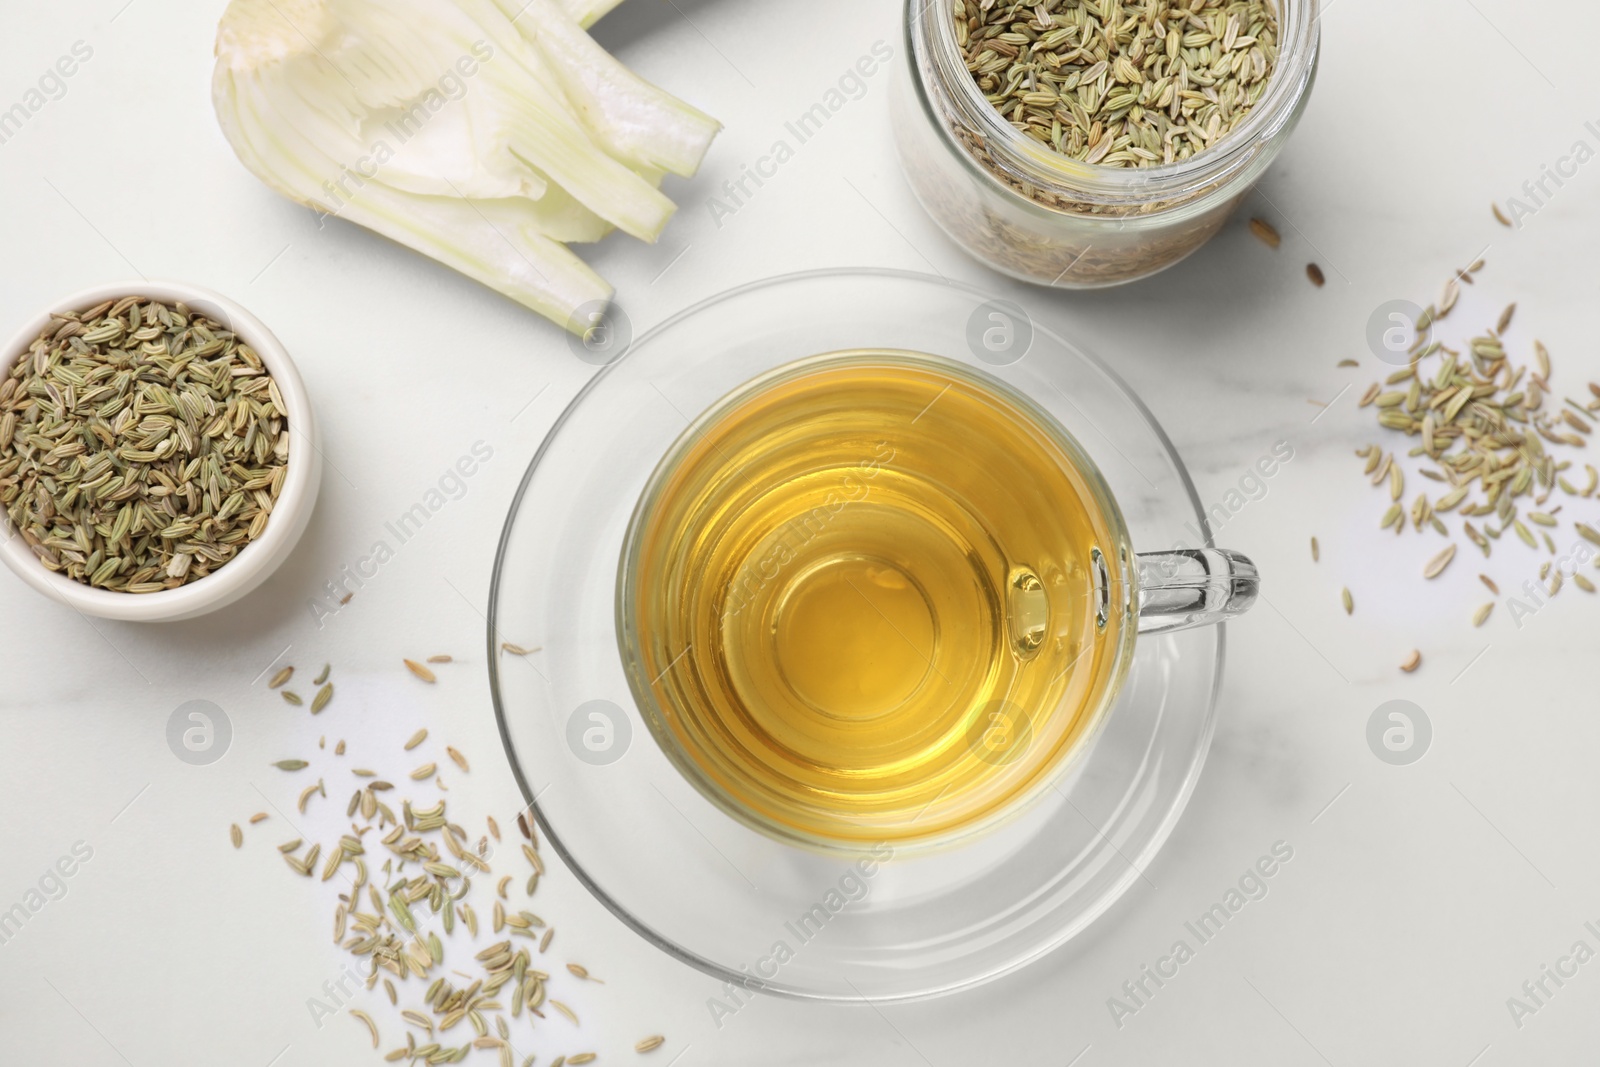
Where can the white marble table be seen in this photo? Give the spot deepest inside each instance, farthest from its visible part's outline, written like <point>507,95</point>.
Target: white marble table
<point>1418,898</point>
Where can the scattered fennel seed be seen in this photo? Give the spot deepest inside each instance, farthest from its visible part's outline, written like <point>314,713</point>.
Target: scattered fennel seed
<point>1265,233</point>
<point>1437,565</point>
<point>366,1021</point>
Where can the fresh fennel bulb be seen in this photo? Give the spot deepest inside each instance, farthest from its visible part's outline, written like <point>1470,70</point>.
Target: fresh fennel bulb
<point>483,133</point>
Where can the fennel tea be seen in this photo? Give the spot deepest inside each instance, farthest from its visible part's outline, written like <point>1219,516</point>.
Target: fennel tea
<point>864,600</point>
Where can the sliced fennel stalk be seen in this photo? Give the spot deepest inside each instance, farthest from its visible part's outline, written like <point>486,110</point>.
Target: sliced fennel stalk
<point>633,118</point>
<point>482,133</point>
<point>587,12</point>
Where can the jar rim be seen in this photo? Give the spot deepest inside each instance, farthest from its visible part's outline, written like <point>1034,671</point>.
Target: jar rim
<point>932,51</point>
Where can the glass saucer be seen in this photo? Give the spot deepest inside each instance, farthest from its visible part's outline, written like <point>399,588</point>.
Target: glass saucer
<point>703,886</point>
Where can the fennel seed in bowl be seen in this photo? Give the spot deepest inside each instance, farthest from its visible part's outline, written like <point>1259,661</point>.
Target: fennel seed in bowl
<point>142,445</point>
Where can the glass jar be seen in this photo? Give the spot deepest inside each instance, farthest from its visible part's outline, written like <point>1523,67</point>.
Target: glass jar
<point>1040,216</point>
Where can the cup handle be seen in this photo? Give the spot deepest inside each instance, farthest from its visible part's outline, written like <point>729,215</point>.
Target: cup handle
<point>1193,587</point>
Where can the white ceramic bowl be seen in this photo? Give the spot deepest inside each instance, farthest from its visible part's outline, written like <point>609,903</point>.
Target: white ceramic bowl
<point>290,514</point>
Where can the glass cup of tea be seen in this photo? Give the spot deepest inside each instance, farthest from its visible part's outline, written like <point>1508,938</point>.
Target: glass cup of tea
<point>879,596</point>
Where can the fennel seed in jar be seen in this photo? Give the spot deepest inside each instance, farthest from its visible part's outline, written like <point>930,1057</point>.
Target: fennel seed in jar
<point>1121,84</point>
<point>142,445</point>
<point>1088,143</point>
